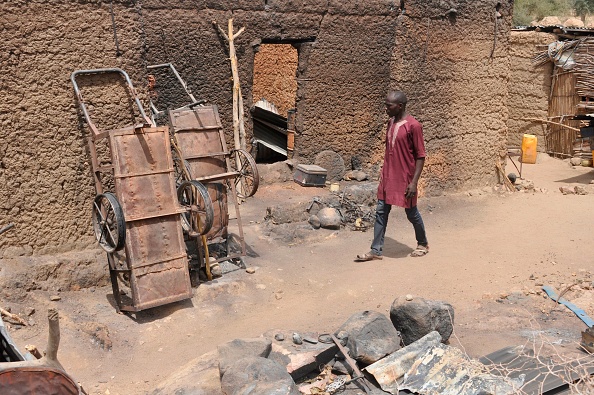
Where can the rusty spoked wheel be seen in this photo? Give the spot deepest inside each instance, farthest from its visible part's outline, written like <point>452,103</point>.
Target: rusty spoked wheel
<point>178,170</point>
<point>247,181</point>
<point>108,222</point>
<point>194,198</point>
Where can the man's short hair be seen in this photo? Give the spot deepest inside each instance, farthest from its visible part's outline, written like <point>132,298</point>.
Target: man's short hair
<point>397,96</point>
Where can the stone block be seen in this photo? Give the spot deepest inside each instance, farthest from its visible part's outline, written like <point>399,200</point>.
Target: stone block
<point>257,375</point>
<point>371,336</point>
<point>237,349</point>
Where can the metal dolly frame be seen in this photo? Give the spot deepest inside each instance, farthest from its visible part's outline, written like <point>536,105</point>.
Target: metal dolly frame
<point>198,133</point>
<point>139,224</point>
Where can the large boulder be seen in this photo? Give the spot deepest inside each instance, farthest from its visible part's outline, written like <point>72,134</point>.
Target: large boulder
<point>329,218</point>
<point>237,349</point>
<point>371,336</point>
<point>200,376</point>
<point>333,163</point>
<point>416,317</point>
<point>257,376</point>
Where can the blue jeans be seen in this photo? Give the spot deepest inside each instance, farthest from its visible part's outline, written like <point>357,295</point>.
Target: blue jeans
<point>381,222</point>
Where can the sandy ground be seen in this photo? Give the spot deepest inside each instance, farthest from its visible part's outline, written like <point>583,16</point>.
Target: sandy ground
<point>490,252</point>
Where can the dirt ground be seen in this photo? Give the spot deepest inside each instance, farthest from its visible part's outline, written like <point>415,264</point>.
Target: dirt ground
<point>490,252</point>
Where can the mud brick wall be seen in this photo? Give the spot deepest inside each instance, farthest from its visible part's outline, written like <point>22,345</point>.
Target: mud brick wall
<point>46,188</point>
<point>349,54</point>
<point>275,68</point>
<point>457,86</point>
<point>529,87</point>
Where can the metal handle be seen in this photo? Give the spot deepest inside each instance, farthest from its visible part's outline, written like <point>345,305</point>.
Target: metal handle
<point>105,71</point>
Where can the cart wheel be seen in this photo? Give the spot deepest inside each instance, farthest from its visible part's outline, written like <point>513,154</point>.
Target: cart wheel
<point>108,222</point>
<point>199,215</point>
<point>246,183</point>
<point>180,175</point>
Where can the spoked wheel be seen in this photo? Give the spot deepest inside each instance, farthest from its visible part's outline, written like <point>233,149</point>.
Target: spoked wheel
<point>246,183</point>
<point>178,170</point>
<point>194,197</point>
<point>108,222</point>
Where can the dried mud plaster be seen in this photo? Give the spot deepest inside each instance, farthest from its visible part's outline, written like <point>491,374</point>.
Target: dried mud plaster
<point>349,54</point>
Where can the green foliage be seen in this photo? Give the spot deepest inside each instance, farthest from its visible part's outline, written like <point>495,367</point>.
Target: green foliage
<point>526,11</point>
<point>583,7</point>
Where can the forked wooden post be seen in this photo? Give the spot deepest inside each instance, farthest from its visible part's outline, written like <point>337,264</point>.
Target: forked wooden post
<point>238,113</point>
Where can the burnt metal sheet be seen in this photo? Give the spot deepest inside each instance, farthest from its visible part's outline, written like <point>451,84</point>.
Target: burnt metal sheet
<point>429,367</point>
<point>270,129</point>
<point>144,183</point>
<point>542,375</point>
<point>8,349</point>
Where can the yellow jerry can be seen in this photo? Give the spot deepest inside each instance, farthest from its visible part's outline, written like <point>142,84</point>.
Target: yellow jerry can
<point>529,142</point>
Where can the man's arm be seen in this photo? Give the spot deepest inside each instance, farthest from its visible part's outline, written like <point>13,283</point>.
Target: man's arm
<point>411,189</point>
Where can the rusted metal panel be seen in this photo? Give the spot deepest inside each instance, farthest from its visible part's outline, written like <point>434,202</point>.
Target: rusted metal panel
<point>155,250</point>
<point>198,132</point>
<point>36,381</point>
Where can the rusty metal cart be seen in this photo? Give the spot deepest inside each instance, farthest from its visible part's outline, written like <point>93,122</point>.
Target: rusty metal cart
<point>198,133</point>
<point>136,214</point>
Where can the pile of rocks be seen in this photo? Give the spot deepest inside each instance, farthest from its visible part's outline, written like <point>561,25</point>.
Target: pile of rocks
<point>287,362</point>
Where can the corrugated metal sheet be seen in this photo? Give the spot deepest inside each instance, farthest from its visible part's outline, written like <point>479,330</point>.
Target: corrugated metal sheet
<point>429,367</point>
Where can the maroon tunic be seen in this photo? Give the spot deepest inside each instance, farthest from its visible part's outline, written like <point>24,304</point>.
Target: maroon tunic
<point>404,145</point>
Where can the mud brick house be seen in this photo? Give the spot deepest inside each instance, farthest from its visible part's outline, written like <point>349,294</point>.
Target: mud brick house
<point>451,57</point>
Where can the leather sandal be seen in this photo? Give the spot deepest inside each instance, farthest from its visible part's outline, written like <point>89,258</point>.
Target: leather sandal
<point>368,257</point>
<point>421,250</point>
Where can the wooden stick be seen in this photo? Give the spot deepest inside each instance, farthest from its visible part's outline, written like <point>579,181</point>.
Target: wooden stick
<point>551,122</point>
<point>33,350</point>
<point>506,180</point>
<point>13,317</point>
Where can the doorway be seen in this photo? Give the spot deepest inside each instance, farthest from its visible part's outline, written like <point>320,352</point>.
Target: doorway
<point>273,94</point>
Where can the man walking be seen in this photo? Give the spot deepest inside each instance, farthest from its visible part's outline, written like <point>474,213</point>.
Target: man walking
<point>403,164</point>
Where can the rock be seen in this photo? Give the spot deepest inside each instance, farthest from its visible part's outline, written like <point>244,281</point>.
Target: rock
<point>200,376</point>
<point>329,218</point>
<point>297,339</point>
<point>418,317</point>
<point>371,336</point>
<point>310,340</point>
<point>573,22</point>
<point>55,298</point>
<point>303,359</point>
<point>357,175</point>
<point>99,332</point>
<point>237,349</point>
<point>284,214</point>
<point>360,175</point>
<point>279,337</point>
<point>409,297</point>
<point>567,190</point>
<point>580,190</point>
<point>333,163</point>
<point>314,221</point>
<point>348,176</point>
<point>250,270</point>
<point>356,163</point>
<point>364,193</point>
<point>575,161</point>
<point>257,375</point>
<point>341,367</point>
<point>276,172</point>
